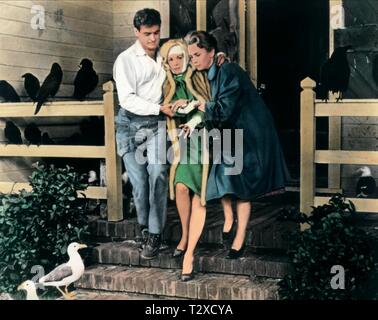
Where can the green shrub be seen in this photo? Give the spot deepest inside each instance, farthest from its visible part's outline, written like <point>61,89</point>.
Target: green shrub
<point>36,227</point>
<point>332,239</point>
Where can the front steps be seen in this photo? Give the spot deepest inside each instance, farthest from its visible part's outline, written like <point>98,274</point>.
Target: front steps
<point>165,283</point>
<point>118,270</point>
<point>207,259</point>
<point>264,230</point>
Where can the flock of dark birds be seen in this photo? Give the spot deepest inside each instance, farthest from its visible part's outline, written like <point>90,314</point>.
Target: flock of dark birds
<point>91,130</point>
<point>85,82</point>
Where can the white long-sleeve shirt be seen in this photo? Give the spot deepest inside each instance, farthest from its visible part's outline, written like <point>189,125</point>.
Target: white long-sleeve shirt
<point>139,81</point>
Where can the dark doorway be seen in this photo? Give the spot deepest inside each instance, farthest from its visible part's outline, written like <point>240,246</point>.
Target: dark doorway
<point>292,42</point>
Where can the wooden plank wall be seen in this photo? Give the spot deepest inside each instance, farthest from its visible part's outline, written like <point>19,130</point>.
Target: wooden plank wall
<point>359,133</point>
<point>74,30</point>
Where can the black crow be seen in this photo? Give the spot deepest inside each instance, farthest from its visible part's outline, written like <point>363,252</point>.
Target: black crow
<point>50,86</point>
<point>92,131</point>
<point>8,93</point>
<point>366,183</point>
<point>33,134</point>
<point>12,133</point>
<point>335,74</point>
<point>31,85</point>
<point>46,139</point>
<point>375,69</point>
<point>86,80</point>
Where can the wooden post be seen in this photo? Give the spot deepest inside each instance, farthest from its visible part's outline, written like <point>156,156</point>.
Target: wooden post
<point>251,45</point>
<point>334,123</point>
<point>242,32</point>
<point>113,161</point>
<point>308,130</point>
<point>201,15</point>
<point>334,143</point>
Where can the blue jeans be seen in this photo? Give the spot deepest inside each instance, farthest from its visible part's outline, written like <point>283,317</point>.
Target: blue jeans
<point>141,142</point>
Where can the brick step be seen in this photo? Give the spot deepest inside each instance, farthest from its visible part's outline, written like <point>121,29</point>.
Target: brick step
<point>85,294</point>
<point>264,229</point>
<point>166,283</point>
<point>207,259</point>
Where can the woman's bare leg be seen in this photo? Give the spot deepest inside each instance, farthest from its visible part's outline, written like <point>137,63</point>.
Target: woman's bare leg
<point>243,209</point>
<point>228,214</point>
<point>197,222</point>
<point>183,204</point>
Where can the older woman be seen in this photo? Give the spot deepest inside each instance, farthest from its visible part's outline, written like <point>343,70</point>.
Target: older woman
<point>235,104</point>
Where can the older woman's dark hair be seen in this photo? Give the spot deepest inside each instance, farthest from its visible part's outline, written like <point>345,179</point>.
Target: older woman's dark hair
<point>147,17</point>
<point>203,39</point>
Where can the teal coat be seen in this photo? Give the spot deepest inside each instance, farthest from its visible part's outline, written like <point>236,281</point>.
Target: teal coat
<point>235,104</point>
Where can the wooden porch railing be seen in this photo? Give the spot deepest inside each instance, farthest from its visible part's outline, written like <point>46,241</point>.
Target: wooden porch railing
<point>105,108</point>
<point>312,108</point>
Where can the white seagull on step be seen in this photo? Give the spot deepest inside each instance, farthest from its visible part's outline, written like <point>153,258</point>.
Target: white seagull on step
<point>67,273</point>
<point>366,183</point>
<point>30,288</point>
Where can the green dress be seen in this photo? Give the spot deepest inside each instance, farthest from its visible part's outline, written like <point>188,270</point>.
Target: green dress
<point>189,169</point>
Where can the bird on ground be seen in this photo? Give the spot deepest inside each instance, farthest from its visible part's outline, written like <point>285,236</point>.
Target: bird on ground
<point>45,139</point>
<point>31,85</point>
<point>366,184</point>
<point>335,74</point>
<point>375,69</point>
<point>33,134</point>
<point>50,86</point>
<point>66,273</point>
<point>30,288</point>
<point>8,93</point>
<point>86,80</point>
<point>12,133</point>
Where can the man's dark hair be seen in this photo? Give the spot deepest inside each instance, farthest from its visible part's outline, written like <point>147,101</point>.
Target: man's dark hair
<point>147,17</point>
<point>203,39</point>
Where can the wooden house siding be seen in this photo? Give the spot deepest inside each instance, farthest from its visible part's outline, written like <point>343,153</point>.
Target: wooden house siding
<point>361,31</point>
<point>74,30</point>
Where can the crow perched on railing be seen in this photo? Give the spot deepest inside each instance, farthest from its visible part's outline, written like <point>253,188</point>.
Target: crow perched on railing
<point>335,74</point>
<point>50,86</point>
<point>31,85</point>
<point>33,134</point>
<point>12,133</point>
<point>86,80</point>
<point>7,92</point>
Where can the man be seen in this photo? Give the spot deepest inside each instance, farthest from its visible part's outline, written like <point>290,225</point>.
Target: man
<point>140,127</point>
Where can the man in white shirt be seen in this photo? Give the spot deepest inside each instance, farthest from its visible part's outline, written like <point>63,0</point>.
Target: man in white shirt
<point>141,127</point>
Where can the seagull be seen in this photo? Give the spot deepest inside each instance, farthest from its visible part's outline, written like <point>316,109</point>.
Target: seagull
<point>92,177</point>
<point>30,288</point>
<point>66,273</point>
<point>366,183</point>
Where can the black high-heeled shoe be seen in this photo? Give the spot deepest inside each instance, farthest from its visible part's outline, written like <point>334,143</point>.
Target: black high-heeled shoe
<point>235,254</point>
<point>178,253</point>
<point>187,276</point>
<point>228,236</point>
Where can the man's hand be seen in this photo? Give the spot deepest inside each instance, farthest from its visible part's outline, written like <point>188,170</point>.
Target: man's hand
<point>167,110</point>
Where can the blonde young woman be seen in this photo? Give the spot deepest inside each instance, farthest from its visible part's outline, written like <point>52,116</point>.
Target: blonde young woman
<point>188,174</point>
